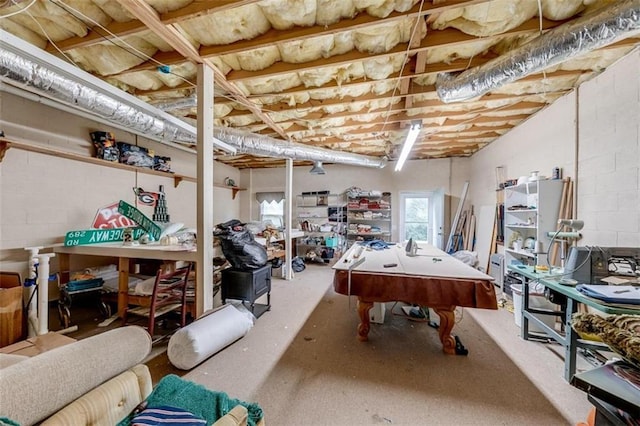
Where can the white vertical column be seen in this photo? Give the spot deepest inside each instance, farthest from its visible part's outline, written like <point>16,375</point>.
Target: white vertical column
<point>288,217</point>
<point>204,269</point>
<point>30,302</point>
<point>43,292</point>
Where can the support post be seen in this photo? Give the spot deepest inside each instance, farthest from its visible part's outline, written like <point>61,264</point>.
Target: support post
<point>43,292</point>
<point>204,267</point>
<point>288,218</point>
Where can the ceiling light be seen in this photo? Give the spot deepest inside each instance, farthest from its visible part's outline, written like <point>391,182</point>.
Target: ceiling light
<point>416,126</point>
<point>317,168</point>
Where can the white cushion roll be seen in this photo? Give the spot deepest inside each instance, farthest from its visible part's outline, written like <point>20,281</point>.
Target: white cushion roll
<point>196,342</point>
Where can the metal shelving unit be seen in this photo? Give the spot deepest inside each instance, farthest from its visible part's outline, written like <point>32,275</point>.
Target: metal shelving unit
<point>369,216</point>
<point>322,218</point>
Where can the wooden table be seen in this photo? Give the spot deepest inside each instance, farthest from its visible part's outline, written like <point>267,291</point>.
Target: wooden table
<point>432,278</point>
<point>124,254</point>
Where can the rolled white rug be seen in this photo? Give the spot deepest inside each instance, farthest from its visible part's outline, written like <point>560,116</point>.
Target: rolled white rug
<point>199,340</point>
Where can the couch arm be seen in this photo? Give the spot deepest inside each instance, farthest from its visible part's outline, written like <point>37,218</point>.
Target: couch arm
<point>109,403</point>
<point>236,417</point>
<point>36,388</point>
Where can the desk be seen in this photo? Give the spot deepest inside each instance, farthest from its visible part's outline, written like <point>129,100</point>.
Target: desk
<point>432,278</point>
<point>612,387</point>
<point>569,340</point>
<point>124,255</point>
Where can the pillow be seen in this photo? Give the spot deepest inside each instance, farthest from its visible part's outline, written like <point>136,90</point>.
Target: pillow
<point>164,415</point>
<point>194,398</point>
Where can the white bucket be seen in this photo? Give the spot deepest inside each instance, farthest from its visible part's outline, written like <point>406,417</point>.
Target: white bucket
<point>376,313</point>
<point>536,301</point>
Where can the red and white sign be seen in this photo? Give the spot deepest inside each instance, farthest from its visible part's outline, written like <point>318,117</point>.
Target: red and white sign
<point>109,217</point>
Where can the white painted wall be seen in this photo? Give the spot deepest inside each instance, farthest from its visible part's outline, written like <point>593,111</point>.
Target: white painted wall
<point>609,156</point>
<point>448,174</point>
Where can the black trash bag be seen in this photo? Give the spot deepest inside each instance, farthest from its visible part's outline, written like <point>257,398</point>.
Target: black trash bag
<point>297,264</point>
<point>239,247</point>
<point>276,262</point>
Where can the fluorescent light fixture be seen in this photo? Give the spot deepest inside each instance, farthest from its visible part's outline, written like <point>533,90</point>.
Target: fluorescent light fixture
<point>317,168</point>
<point>412,135</point>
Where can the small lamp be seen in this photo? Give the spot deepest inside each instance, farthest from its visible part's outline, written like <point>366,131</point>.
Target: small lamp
<point>572,224</point>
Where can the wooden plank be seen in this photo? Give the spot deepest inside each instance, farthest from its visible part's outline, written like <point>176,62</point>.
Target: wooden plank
<point>485,234</point>
<point>454,225</point>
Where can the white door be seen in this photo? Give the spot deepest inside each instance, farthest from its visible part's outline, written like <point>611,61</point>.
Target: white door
<point>422,217</point>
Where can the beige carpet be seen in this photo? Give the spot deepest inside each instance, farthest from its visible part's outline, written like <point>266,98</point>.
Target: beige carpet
<point>303,364</point>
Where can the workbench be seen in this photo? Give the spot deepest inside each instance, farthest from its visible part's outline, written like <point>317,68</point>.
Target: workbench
<point>570,339</point>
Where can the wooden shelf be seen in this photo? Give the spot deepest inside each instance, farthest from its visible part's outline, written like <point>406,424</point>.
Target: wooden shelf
<point>5,144</point>
<point>234,189</point>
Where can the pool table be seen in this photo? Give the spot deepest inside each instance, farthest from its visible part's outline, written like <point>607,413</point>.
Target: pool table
<point>431,278</point>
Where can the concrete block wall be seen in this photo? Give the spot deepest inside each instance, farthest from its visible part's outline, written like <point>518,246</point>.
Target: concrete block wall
<point>609,156</point>
<point>599,126</point>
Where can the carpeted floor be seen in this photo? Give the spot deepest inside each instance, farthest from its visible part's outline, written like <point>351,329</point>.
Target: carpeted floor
<point>303,364</point>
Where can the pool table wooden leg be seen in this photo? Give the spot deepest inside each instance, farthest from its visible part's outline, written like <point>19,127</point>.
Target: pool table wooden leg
<point>447,321</point>
<point>365,325</point>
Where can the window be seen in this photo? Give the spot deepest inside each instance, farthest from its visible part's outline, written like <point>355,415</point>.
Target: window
<point>415,217</point>
<point>421,216</point>
<point>271,208</point>
<point>272,212</point>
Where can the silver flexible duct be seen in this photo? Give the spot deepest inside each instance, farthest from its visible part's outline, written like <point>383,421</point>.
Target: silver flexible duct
<point>270,147</point>
<point>190,102</point>
<point>555,46</point>
<point>80,94</point>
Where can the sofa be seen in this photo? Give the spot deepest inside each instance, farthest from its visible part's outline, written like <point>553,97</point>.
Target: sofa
<point>99,380</point>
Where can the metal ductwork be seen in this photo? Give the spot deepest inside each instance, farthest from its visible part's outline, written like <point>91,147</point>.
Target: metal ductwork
<point>271,147</point>
<point>587,33</point>
<point>189,102</point>
<point>24,64</point>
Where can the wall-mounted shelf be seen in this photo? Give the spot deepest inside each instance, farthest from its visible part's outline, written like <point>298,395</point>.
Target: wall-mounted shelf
<point>234,189</point>
<point>5,144</point>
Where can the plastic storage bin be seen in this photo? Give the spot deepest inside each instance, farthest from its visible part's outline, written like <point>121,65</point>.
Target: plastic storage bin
<point>536,301</point>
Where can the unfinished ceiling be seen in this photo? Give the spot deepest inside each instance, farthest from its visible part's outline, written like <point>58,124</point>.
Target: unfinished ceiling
<point>346,75</point>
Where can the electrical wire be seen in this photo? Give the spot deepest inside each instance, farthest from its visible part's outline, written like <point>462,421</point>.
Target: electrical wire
<point>404,63</point>
<point>49,39</point>
<point>133,50</point>
<point>17,12</point>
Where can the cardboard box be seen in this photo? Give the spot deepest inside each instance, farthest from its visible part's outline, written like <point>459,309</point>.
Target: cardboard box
<point>105,144</point>
<point>11,329</point>
<point>38,344</point>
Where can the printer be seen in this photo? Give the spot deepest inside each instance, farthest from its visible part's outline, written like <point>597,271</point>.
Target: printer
<point>589,265</point>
